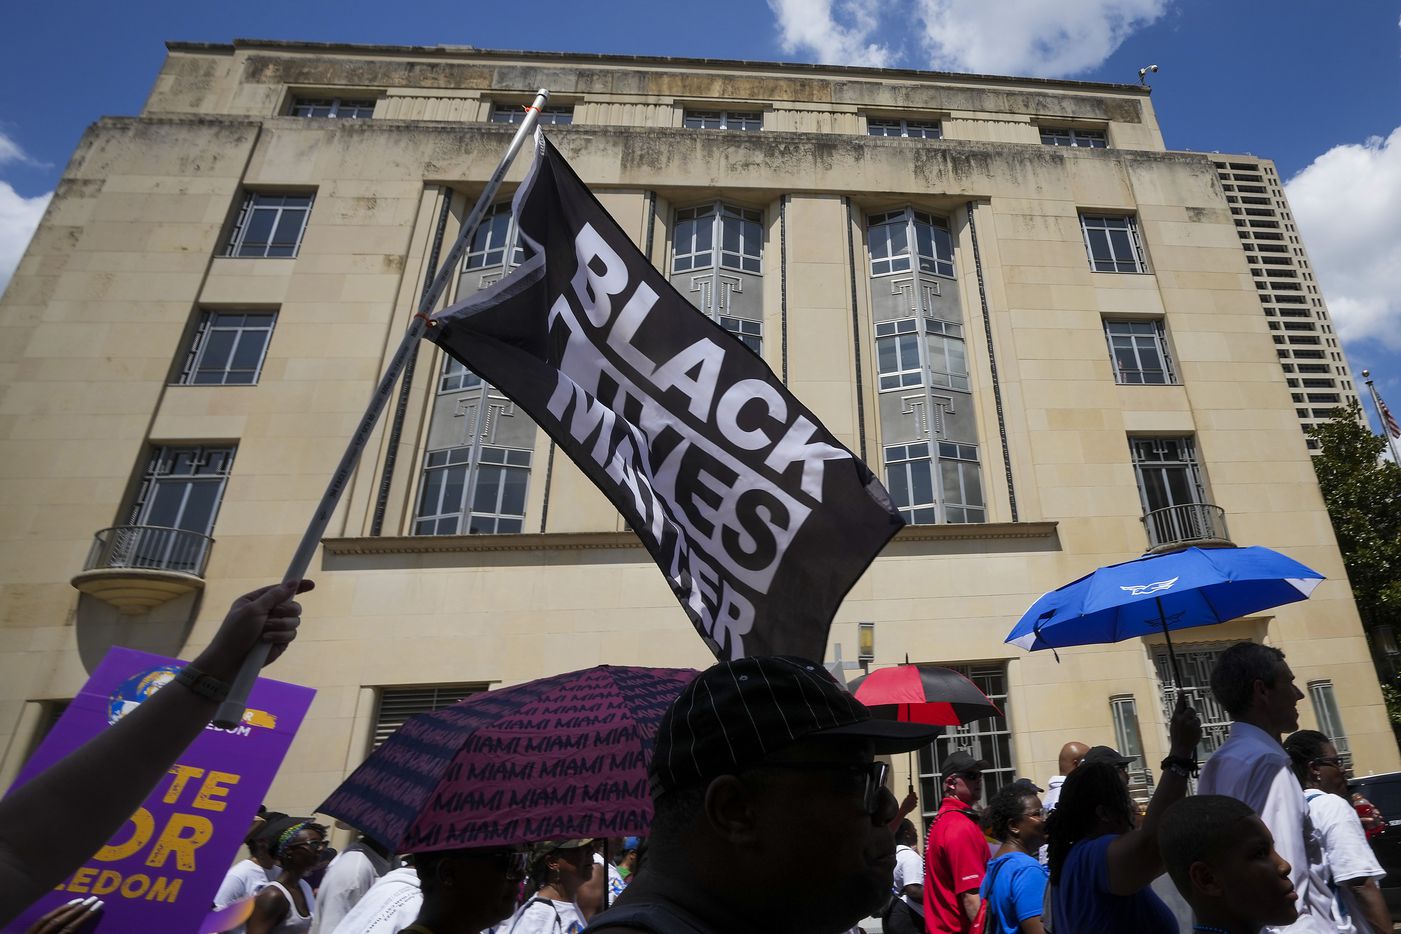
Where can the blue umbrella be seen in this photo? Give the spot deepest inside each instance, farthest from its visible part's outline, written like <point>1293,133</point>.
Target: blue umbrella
<point>1193,587</point>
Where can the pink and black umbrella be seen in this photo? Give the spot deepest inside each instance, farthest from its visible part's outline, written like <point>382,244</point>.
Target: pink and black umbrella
<point>560,757</point>
<point>923,694</point>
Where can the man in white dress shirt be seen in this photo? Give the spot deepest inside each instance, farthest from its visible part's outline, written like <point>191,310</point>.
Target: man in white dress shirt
<point>1253,682</point>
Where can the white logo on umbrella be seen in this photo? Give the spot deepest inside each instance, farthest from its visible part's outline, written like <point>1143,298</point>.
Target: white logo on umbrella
<point>1139,590</point>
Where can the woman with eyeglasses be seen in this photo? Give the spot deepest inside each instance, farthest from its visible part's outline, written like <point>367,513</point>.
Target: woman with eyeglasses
<point>285,906</point>
<point>1344,887</point>
<point>1015,885</point>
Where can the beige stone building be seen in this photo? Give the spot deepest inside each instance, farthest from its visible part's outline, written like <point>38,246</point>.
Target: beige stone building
<point>1034,322</point>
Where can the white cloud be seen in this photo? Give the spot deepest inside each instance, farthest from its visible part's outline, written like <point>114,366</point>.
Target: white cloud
<point>19,216</point>
<point>811,28</point>
<point>1030,37</point>
<point>1345,205</point>
<point>11,151</point>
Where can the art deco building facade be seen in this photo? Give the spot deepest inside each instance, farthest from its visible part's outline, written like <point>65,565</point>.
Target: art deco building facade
<point>1034,322</point>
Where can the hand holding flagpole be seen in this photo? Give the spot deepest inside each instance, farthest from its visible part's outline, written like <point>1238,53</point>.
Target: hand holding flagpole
<point>231,710</point>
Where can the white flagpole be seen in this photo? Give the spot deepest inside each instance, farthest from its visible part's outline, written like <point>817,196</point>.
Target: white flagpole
<point>1377,404</point>
<point>230,712</point>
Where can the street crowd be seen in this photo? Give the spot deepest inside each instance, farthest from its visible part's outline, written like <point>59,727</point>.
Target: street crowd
<point>773,813</point>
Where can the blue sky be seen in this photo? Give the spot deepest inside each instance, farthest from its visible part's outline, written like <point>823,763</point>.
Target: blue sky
<point>1316,88</point>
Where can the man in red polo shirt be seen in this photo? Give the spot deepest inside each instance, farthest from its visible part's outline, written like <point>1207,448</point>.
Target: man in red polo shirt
<point>957,853</point>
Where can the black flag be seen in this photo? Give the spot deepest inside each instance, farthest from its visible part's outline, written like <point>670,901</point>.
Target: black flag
<point>760,520</point>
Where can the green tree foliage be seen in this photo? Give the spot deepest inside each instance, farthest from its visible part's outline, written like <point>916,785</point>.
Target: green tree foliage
<point>1363,495</point>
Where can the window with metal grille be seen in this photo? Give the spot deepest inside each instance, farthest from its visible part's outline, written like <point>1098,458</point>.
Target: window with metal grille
<point>989,739</point>
<point>483,496</point>
<point>228,348</point>
<point>1139,352</point>
<point>456,377</point>
<point>176,505</point>
<point>888,239</point>
<point>493,239</point>
<point>270,225</point>
<point>1167,472</point>
<point>515,113</point>
<point>739,233</point>
<point>396,705</point>
<point>1112,242</point>
<point>1069,136</point>
<point>909,129</point>
<point>1195,663</point>
<point>742,120</point>
<point>343,108</point>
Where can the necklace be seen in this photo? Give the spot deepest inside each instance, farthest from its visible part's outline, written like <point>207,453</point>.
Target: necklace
<point>1208,928</point>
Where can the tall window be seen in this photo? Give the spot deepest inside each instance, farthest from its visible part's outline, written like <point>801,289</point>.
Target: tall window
<point>912,129</point>
<point>1112,242</point>
<point>495,236</point>
<point>889,236</point>
<point>1069,136</point>
<point>1129,741</point>
<point>1140,352</point>
<point>1171,490</point>
<point>456,377</point>
<point>742,120</point>
<point>459,496</point>
<point>1330,722</point>
<point>738,232</point>
<point>228,348</point>
<point>989,739</point>
<point>909,476</point>
<point>344,108</point>
<point>270,225</point>
<point>181,489</point>
<point>515,113</point>
<point>960,482</point>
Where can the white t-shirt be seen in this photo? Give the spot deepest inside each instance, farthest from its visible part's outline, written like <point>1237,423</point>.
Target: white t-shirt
<point>909,870</point>
<point>616,883</point>
<point>243,881</point>
<point>347,879</point>
<point>388,907</point>
<point>545,916</point>
<point>1346,856</point>
<point>1052,796</point>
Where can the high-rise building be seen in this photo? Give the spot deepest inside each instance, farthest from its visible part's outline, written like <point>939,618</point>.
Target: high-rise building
<point>1297,314</point>
<point>1034,322</point>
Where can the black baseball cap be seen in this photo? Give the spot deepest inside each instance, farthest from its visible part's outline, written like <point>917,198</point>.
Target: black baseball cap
<point>737,712</point>
<point>1106,754</point>
<point>959,761</point>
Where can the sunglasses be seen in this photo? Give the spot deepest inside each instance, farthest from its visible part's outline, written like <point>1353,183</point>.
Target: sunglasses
<point>315,845</point>
<point>1335,761</point>
<point>872,775</point>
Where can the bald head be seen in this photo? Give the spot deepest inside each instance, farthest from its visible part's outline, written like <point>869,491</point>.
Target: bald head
<point>1070,755</point>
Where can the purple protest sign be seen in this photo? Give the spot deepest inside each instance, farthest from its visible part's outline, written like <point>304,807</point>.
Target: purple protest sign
<point>161,870</point>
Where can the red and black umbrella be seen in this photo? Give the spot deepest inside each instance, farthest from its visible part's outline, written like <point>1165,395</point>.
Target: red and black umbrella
<point>923,694</point>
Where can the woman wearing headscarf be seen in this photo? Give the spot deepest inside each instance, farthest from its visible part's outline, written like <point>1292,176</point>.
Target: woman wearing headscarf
<point>286,905</point>
<point>1015,885</point>
<point>1344,886</point>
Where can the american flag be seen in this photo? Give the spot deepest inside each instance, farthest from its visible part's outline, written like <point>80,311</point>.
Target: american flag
<point>1388,420</point>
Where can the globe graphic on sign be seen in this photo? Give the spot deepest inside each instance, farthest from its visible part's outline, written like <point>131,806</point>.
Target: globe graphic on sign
<point>131,692</point>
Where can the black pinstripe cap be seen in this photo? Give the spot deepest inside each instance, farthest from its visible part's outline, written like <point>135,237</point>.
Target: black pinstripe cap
<point>736,713</point>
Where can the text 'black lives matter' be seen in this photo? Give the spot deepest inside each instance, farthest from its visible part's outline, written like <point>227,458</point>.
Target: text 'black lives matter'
<point>758,517</point>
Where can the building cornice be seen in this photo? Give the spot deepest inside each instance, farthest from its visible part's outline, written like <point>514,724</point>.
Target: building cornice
<point>450,52</point>
<point>591,541</point>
